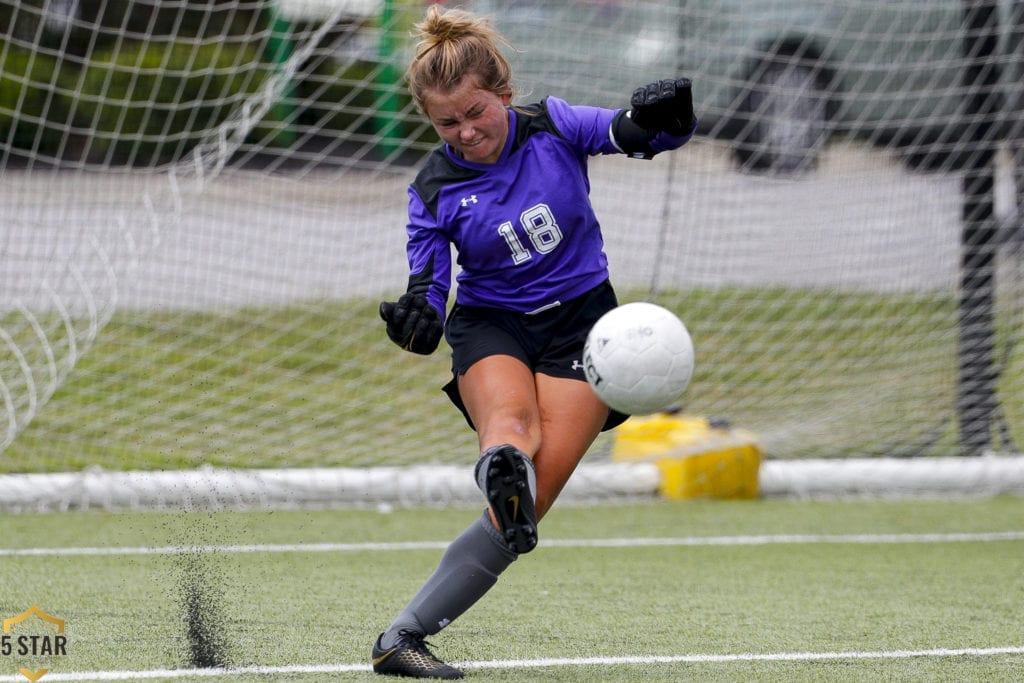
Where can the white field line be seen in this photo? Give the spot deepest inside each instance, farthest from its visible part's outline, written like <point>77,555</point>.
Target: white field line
<point>533,663</point>
<point>643,542</point>
<point>271,671</point>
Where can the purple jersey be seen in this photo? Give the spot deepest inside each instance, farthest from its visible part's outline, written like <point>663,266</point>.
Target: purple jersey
<point>524,229</point>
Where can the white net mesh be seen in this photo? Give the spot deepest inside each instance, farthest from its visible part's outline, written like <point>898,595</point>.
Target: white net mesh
<point>204,202</point>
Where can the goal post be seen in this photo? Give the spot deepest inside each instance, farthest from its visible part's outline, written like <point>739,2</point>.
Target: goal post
<point>976,399</point>
<point>205,202</point>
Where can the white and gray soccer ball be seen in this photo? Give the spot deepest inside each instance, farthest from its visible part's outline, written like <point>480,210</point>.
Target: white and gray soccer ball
<point>639,358</point>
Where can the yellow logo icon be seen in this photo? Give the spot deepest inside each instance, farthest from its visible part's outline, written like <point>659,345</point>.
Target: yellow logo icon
<point>51,643</point>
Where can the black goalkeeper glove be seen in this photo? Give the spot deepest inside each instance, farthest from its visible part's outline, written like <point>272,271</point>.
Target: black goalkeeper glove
<point>413,323</point>
<point>664,106</point>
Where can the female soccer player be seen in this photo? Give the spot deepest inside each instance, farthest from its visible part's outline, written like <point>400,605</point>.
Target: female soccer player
<point>509,189</point>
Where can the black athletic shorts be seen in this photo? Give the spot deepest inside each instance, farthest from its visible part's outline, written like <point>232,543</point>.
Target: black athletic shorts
<point>549,342</point>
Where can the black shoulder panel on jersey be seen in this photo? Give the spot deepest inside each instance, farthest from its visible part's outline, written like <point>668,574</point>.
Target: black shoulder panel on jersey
<point>438,171</point>
<point>533,119</point>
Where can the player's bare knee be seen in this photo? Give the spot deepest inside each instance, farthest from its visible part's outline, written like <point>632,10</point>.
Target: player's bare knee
<point>518,429</point>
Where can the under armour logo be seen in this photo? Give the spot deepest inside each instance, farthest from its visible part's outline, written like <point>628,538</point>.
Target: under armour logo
<point>467,200</point>
<point>576,365</point>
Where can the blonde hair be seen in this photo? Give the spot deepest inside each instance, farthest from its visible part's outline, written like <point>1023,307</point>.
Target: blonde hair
<point>454,44</point>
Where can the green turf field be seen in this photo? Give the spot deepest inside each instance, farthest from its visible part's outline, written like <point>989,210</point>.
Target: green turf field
<point>703,591</point>
<point>162,390</point>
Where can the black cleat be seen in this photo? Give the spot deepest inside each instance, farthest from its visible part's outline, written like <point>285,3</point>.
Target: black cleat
<point>410,658</point>
<point>503,473</point>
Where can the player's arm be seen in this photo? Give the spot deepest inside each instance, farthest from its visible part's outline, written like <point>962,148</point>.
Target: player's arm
<point>414,322</point>
<point>661,118</point>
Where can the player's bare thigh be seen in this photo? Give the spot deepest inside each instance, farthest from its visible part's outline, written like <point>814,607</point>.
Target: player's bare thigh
<point>501,398</point>
<point>571,418</point>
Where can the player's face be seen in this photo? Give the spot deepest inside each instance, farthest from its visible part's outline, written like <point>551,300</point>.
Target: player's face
<point>472,120</point>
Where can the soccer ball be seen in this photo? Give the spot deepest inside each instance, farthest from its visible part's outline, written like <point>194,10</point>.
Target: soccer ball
<point>638,358</point>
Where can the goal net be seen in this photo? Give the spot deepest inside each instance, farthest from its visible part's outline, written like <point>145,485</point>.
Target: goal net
<point>204,203</point>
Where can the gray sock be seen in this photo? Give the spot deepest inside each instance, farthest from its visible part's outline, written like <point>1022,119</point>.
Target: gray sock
<point>467,570</point>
